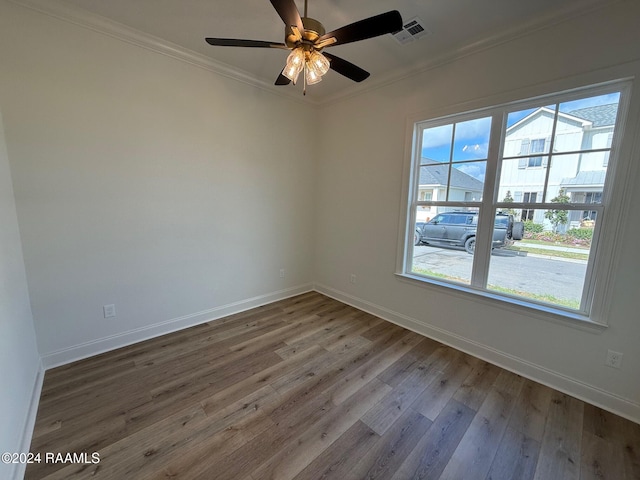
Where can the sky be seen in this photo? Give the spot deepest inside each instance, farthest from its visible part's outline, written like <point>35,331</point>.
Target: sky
<point>470,141</point>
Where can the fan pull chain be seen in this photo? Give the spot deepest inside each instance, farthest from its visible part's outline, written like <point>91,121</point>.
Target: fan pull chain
<point>304,80</point>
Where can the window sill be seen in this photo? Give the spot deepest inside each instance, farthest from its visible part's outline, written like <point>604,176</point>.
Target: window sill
<point>542,312</point>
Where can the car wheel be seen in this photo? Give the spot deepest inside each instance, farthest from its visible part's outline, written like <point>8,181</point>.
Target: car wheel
<point>416,238</point>
<point>470,245</point>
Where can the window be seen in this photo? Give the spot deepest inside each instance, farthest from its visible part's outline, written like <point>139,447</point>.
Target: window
<point>527,214</point>
<point>591,197</point>
<point>536,146</point>
<point>528,149</point>
<point>551,154</point>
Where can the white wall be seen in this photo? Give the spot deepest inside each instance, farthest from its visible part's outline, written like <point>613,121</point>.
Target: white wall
<point>363,151</point>
<point>142,181</point>
<point>19,360</point>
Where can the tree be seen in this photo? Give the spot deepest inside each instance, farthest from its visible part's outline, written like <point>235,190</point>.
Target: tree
<point>509,199</point>
<point>558,217</point>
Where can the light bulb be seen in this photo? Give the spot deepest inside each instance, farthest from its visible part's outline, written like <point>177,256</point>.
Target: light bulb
<point>296,57</point>
<point>311,74</point>
<point>292,72</point>
<point>320,62</point>
<point>295,64</point>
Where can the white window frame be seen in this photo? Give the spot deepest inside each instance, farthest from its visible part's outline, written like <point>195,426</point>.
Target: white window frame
<point>596,295</point>
<point>533,152</point>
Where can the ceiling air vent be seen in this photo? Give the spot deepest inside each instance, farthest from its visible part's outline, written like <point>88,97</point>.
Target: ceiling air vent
<point>412,30</point>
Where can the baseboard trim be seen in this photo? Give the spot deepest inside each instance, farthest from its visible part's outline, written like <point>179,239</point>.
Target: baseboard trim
<point>102,345</point>
<point>571,386</point>
<point>30,421</point>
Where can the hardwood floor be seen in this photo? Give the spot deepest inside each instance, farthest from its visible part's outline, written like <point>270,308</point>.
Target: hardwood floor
<point>309,388</point>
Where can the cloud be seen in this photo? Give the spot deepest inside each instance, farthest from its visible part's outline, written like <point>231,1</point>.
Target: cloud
<point>477,170</point>
<point>472,151</point>
<point>437,136</point>
<point>472,132</point>
<point>478,128</point>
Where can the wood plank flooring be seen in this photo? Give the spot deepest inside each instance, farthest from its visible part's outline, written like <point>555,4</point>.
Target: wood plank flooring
<point>309,388</point>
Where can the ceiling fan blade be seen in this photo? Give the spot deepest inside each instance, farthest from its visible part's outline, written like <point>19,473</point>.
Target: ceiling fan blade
<point>234,42</point>
<point>288,13</point>
<point>282,80</point>
<point>368,28</point>
<point>346,68</point>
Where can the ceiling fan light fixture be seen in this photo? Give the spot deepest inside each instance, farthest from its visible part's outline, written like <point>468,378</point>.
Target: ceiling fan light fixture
<point>295,64</point>
<point>312,75</point>
<point>291,72</point>
<point>296,57</point>
<point>319,62</point>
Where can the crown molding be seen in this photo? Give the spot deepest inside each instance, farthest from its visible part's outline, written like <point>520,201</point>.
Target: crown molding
<point>103,25</point>
<point>97,23</point>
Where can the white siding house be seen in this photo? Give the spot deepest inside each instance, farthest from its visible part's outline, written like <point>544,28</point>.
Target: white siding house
<point>577,163</point>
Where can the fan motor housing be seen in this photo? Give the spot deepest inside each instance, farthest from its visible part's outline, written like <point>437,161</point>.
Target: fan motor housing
<point>313,29</point>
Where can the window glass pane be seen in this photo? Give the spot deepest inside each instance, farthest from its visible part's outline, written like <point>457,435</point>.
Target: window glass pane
<point>432,181</point>
<point>585,124</point>
<point>577,174</point>
<point>436,144</point>
<point>472,139</point>
<point>442,245</point>
<point>529,131</point>
<point>426,213</point>
<point>467,181</point>
<point>544,266</point>
<point>517,176</point>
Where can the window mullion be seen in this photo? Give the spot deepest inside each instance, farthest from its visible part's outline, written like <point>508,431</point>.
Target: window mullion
<point>550,160</point>
<point>484,234</point>
<point>453,139</point>
<point>563,153</point>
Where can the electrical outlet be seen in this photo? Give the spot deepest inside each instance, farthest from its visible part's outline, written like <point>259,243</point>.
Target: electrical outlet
<point>614,359</point>
<point>282,273</point>
<point>109,311</point>
<point>353,278</point>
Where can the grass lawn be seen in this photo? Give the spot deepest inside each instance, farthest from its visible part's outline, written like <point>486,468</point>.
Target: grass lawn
<point>545,298</point>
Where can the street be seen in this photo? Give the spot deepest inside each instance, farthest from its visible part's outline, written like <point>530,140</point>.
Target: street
<point>541,275</point>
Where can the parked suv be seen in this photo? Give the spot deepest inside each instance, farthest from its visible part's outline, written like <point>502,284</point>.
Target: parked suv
<point>458,229</point>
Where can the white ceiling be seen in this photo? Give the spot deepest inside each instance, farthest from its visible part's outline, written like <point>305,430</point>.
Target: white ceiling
<point>455,26</point>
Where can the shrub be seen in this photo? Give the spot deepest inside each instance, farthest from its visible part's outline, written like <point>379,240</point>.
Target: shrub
<point>549,237</point>
<point>530,226</point>
<point>581,233</point>
<point>570,239</point>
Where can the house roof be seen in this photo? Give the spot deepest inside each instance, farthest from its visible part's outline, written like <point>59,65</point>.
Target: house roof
<point>586,178</point>
<point>438,176</point>
<point>601,115</point>
<point>598,116</point>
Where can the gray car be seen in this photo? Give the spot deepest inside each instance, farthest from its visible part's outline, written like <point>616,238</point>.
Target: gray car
<point>458,229</point>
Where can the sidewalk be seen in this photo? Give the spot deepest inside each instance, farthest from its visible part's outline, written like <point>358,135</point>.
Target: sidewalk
<point>558,248</point>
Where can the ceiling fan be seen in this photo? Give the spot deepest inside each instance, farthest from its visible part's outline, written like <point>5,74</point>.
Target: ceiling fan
<point>306,38</point>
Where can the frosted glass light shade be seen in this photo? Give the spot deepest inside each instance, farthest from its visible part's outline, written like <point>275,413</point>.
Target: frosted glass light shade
<point>295,64</point>
<point>319,62</point>
<point>312,75</point>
